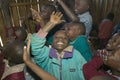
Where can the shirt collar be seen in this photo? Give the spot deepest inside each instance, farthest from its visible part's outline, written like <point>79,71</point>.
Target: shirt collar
<point>68,52</point>
<point>85,14</point>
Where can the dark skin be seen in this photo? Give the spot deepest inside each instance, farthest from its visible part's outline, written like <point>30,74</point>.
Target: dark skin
<point>21,34</point>
<point>55,19</point>
<point>113,52</point>
<point>13,52</point>
<point>60,41</point>
<point>43,16</point>
<point>26,57</point>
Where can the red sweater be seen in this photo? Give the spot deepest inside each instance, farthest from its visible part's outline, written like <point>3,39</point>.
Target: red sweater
<point>105,29</point>
<point>90,69</point>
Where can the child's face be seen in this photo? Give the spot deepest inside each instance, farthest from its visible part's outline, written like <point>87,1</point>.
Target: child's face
<point>45,12</point>
<point>80,6</point>
<point>60,40</point>
<point>114,59</point>
<point>113,42</point>
<point>72,31</point>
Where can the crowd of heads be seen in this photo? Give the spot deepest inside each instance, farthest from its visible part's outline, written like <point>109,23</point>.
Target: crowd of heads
<point>13,51</point>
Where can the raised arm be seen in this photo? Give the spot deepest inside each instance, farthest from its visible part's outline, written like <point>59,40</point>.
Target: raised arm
<point>36,16</point>
<point>70,14</point>
<point>54,19</point>
<point>40,72</point>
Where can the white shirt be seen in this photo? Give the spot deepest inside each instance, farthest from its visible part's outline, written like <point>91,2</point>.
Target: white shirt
<point>86,18</point>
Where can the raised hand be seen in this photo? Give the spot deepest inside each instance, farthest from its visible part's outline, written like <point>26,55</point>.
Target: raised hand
<point>26,52</point>
<point>56,17</point>
<point>36,16</point>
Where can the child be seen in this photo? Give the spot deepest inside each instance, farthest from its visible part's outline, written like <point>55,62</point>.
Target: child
<point>76,31</point>
<point>83,15</point>
<point>105,30</point>
<point>43,18</point>
<point>61,61</point>
<point>14,63</point>
<point>111,57</point>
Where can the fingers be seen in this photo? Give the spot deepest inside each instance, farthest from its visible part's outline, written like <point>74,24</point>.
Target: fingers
<point>59,14</point>
<point>25,50</point>
<point>35,14</point>
<point>24,53</point>
<point>61,21</point>
<point>28,43</point>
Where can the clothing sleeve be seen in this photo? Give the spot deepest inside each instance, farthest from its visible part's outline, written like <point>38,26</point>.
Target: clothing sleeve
<point>38,48</point>
<point>84,48</point>
<point>90,69</point>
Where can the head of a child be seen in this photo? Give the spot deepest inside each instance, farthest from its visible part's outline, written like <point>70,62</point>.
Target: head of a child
<point>81,6</point>
<point>74,29</point>
<point>114,59</point>
<point>60,40</point>
<point>21,34</point>
<point>14,52</point>
<point>46,11</point>
<point>113,47</point>
<point>113,42</point>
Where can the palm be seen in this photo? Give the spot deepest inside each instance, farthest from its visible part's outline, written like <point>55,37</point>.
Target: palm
<point>56,17</point>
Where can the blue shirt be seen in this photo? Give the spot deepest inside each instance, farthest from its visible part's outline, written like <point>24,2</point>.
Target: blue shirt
<point>86,18</point>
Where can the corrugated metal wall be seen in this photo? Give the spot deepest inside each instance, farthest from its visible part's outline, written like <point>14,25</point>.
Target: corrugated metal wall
<point>100,8</point>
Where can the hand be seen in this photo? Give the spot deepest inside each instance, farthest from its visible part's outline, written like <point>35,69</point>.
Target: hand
<point>26,52</point>
<point>36,16</point>
<point>56,18</point>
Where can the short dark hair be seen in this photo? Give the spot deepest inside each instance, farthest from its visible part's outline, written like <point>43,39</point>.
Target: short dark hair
<point>14,52</point>
<point>81,26</point>
<point>21,33</point>
<point>50,7</point>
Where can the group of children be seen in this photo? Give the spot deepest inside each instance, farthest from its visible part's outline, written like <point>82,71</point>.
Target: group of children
<point>69,57</point>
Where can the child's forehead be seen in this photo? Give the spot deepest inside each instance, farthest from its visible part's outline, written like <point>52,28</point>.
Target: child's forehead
<point>60,32</point>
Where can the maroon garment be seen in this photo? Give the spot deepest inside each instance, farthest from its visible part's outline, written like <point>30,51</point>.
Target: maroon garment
<point>105,32</point>
<point>2,65</point>
<point>15,76</point>
<point>105,29</point>
<point>90,69</point>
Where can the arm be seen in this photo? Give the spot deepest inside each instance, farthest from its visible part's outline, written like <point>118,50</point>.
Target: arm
<point>38,48</point>
<point>36,15</point>
<point>70,14</point>
<point>90,69</point>
<point>41,73</point>
<point>54,19</point>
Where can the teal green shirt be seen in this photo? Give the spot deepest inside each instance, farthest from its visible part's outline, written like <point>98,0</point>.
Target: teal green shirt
<point>81,44</point>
